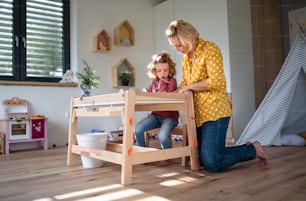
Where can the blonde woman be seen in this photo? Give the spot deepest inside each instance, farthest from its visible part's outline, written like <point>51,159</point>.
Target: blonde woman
<point>203,74</point>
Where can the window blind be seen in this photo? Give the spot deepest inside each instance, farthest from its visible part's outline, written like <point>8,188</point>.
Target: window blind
<point>6,37</point>
<point>44,38</point>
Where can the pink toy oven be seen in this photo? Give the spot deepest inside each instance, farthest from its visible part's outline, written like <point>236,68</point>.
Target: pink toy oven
<point>21,127</point>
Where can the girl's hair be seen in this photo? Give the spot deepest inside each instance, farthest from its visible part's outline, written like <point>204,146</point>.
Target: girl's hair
<point>161,58</point>
<point>184,31</point>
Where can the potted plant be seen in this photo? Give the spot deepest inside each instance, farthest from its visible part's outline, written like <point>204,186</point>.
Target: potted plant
<point>89,79</point>
<point>125,77</point>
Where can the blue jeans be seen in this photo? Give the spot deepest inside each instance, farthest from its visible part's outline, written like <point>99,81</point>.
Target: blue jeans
<point>166,125</point>
<point>214,156</point>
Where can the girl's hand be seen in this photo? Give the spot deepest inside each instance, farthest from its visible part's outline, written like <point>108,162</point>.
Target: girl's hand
<point>166,80</point>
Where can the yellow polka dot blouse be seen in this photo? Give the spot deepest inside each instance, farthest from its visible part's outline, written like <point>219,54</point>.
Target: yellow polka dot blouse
<point>207,65</point>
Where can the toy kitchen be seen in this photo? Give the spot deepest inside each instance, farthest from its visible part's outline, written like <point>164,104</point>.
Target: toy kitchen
<point>20,127</point>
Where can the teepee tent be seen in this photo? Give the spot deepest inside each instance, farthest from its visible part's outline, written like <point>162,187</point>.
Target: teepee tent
<point>283,110</point>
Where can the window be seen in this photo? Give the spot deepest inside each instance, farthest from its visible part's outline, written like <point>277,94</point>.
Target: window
<point>34,40</point>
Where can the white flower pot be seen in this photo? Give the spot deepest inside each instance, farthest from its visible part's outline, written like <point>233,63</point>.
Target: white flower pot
<point>92,140</point>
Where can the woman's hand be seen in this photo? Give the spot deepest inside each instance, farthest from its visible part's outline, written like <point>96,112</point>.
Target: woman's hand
<point>184,89</point>
<point>198,86</point>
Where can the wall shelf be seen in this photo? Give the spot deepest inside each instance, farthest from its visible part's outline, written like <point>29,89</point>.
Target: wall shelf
<point>101,42</point>
<point>122,66</point>
<point>124,34</point>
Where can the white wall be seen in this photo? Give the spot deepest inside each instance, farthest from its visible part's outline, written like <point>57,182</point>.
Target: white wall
<point>227,24</point>
<point>93,16</point>
<point>209,17</point>
<point>89,17</point>
<point>53,102</point>
<point>241,62</point>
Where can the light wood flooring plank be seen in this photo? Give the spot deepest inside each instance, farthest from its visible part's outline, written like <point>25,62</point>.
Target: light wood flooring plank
<point>44,176</point>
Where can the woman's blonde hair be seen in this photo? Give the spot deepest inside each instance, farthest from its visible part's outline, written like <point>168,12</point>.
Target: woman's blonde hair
<point>161,58</point>
<point>184,31</point>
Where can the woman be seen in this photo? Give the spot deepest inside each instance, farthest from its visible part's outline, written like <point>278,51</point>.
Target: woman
<point>203,74</point>
<point>161,71</point>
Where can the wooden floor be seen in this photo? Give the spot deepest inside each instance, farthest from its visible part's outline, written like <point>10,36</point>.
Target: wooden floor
<point>43,176</point>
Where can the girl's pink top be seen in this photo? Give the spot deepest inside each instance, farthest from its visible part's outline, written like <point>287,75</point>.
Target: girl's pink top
<point>162,86</point>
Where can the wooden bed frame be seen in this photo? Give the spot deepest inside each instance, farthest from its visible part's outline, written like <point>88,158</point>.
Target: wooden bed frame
<point>125,105</point>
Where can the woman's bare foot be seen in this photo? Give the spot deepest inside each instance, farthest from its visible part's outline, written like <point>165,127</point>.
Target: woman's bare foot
<point>261,154</point>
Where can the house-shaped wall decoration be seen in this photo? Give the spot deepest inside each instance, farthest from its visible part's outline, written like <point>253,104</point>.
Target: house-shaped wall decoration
<point>124,34</point>
<point>122,66</point>
<point>101,42</point>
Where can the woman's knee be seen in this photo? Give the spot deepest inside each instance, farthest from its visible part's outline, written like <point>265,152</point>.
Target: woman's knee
<point>211,164</point>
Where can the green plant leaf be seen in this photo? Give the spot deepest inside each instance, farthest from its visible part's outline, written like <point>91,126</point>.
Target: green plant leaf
<point>88,76</point>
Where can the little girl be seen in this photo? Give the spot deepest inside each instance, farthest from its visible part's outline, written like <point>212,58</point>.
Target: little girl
<point>161,72</point>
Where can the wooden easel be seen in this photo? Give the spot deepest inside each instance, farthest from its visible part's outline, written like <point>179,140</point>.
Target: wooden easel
<point>125,105</point>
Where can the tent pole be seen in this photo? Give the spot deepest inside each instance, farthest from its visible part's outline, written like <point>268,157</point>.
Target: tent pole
<point>295,21</point>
